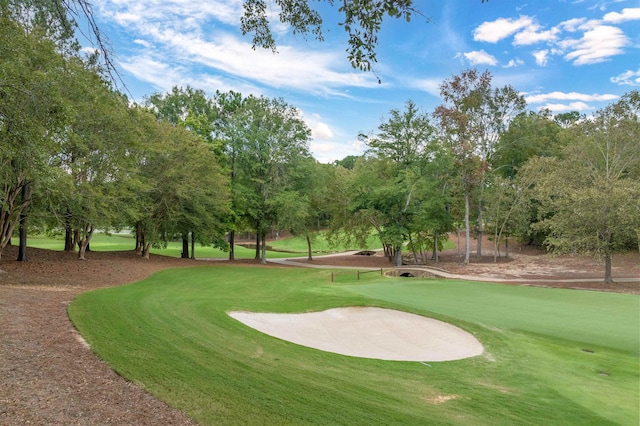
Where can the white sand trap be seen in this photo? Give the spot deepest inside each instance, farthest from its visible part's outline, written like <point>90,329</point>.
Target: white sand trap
<point>368,333</point>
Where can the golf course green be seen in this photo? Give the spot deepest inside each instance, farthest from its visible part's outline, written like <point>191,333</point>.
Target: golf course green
<point>551,356</point>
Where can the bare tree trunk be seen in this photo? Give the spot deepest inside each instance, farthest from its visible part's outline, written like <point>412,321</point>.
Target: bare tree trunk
<point>467,228</point>
<point>397,255</point>
<point>310,254</point>
<point>84,241</point>
<point>480,232</point>
<point>608,276</point>
<point>496,245</point>
<point>185,246</point>
<point>264,249</point>
<point>435,247</point>
<point>413,250</point>
<point>506,246</point>
<point>257,243</point>
<point>68,233</point>
<point>193,245</point>
<point>232,237</point>
<point>145,250</point>
<point>22,248</point>
<point>140,238</point>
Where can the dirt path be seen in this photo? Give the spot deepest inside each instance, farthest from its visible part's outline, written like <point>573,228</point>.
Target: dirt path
<point>48,377</point>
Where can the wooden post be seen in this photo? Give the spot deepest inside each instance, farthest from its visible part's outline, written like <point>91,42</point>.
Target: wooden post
<point>332,277</point>
<point>358,275</point>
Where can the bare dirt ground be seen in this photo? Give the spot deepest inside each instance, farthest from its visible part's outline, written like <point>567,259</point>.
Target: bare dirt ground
<point>49,377</point>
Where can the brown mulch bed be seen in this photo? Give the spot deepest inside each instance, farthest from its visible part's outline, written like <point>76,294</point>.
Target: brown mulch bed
<point>47,376</point>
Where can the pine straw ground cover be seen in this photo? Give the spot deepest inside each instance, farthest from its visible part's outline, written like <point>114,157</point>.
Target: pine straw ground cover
<point>47,376</point>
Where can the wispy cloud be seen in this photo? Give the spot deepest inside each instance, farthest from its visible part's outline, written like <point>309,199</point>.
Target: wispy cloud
<point>596,45</point>
<point>194,34</point>
<point>571,96</point>
<point>541,56</point>
<point>627,78</point>
<point>533,34</point>
<point>573,106</point>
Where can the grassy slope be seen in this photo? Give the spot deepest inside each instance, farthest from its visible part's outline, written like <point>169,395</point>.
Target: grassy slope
<point>171,334</point>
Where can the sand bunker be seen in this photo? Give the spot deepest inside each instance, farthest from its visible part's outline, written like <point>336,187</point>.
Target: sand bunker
<point>368,333</point>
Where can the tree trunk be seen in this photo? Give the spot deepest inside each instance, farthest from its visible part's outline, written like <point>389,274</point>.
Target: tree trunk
<point>310,254</point>
<point>397,255</point>
<point>193,245</point>
<point>608,276</point>
<point>68,233</point>
<point>232,237</point>
<point>145,250</point>
<point>436,255</point>
<point>506,246</point>
<point>413,250</point>
<point>467,228</point>
<point>185,246</point>
<point>480,232</point>
<point>83,243</point>
<point>257,241</point>
<point>22,248</point>
<point>496,246</point>
<point>264,249</point>
<point>76,238</point>
<point>140,239</point>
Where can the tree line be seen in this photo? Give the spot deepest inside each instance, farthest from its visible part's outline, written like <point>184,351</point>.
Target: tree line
<point>77,155</point>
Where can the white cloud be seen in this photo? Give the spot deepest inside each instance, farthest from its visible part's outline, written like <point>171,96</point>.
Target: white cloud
<point>572,25</point>
<point>480,57</point>
<point>163,77</point>
<point>501,28</point>
<point>321,131</point>
<point>571,96</point>
<point>532,35</point>
<point>573,106</point>
<point>191,34</point>
<point>429,85</point>
<point>596,45</point>
<point>628,14</point>
<point>514,63</point>
<point>542,57</point>
<point>328,152</point>
<point>627,78</point>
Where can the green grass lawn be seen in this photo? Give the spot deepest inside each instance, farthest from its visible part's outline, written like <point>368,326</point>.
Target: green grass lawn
<point>551,356</point>
<point>125,242</point>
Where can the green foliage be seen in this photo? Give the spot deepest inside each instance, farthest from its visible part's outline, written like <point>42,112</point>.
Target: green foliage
<point>551,356</point>
<point>398,188</point>
<point>362,22</point>
<point>589,198</point>
<point>32,115</point>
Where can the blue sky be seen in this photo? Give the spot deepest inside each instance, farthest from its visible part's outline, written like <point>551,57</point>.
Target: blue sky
<point>562,55</point>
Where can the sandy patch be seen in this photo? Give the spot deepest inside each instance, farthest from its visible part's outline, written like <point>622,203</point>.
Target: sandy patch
<point>368,333</point>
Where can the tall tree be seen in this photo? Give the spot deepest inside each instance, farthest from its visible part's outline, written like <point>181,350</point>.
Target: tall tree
<point>173,198</point>
<point>32,112</point>
<point>96,154</point>
<point>474,117</point>
<point>270,150</point>
<point>404,146</point>
<point>193,110</point>
<point>590,198</point>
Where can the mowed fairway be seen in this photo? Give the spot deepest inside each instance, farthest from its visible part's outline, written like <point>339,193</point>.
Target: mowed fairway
<point>551,356</point>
